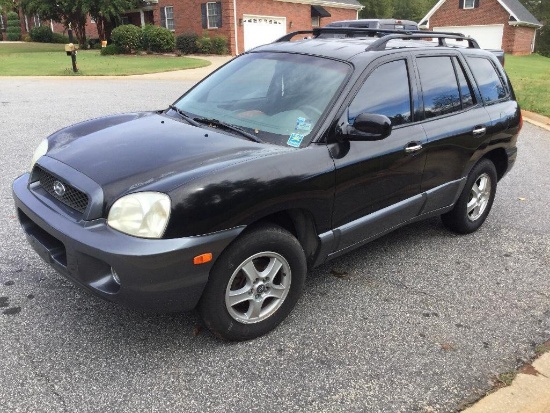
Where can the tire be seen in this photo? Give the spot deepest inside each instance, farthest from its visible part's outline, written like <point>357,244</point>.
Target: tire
<point>254,284</point>
<point>475,201</point>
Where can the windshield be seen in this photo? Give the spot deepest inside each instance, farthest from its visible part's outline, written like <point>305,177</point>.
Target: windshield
<point>278,97</point>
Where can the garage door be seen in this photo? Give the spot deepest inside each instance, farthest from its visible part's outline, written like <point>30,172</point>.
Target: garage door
<point>488,37</point>
<point>260,30</point>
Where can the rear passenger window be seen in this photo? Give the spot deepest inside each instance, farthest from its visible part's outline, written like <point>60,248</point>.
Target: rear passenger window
<point>385,92</point>
<point>439,86</point>
<point>466,93</point>
<point>487,78</point>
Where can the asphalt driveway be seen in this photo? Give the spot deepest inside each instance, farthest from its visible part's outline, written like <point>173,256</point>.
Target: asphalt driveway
<point>420,320</point>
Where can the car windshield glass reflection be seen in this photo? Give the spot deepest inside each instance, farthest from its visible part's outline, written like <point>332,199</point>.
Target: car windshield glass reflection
<point>278,97</point>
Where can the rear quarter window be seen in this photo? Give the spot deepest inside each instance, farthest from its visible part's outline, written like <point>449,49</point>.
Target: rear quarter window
<point>491,85</point>
<point>439,86</point>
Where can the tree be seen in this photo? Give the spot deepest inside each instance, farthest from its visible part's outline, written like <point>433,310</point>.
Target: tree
<point>70,13</point>
<point>9,5</point>
<point>413,10</point>
<point>399,9</point>
<point>13,30</point>
<point>541,10</point>
<point>376,9</point>
<point>106,13</point>
<point>75,13</point>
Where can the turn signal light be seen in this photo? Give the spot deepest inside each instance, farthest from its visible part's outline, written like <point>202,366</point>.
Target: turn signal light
<point>202,259</point>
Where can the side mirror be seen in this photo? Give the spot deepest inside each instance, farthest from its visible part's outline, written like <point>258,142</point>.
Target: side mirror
<point>369,127</point>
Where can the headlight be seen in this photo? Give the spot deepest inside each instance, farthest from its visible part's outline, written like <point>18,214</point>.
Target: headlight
<point>39,151</point>
<point>143,214</point>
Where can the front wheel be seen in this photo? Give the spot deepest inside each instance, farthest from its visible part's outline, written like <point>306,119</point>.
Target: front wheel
<point>475,201</point>
<point>254,284</point>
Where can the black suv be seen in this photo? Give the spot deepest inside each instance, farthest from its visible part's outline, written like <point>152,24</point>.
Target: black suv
<point>288,156</point>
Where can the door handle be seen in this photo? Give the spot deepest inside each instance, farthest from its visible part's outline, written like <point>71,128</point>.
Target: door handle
<point>479,131</point>
<point>413,147</point>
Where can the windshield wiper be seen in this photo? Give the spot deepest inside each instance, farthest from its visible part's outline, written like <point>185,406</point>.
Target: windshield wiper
<point>184,115</point>
<point>228,126</point>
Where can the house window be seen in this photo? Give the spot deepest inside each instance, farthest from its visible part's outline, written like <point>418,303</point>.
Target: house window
<point>212,15</point>
<point>469,4</point>
<point>36,20</point>
<point>169,12</point>
<point>315,21</point>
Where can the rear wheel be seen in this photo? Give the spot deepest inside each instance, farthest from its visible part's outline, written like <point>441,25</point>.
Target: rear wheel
<point>254,284</point>
<point>475,201</point>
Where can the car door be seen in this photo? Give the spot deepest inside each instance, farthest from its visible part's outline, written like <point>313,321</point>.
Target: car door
<point>456,124</point>
<point>496,94</point>
<point>378,182</point>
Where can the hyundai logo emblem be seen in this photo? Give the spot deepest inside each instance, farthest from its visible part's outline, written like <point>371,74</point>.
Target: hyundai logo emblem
<point>59,188</point>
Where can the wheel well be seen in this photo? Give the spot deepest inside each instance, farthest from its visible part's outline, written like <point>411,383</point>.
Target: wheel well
<point>299,223</point>
<point>500,160</point>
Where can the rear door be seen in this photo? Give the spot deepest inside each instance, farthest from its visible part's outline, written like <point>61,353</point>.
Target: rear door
<point>497,98</point>
<point>456,125</point>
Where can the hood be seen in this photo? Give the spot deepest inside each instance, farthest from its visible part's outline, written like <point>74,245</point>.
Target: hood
<point>148,151</point>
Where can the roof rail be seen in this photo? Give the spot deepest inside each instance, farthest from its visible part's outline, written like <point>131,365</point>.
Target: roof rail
<point>385,35</point>
<point>381,43</point>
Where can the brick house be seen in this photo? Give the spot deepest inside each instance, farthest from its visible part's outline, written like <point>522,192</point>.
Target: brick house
<point>495,24</point>
<point>245,23</point>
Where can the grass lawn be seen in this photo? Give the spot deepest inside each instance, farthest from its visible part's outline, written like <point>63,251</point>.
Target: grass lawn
<point>44,59</point>
<point>530,76</point>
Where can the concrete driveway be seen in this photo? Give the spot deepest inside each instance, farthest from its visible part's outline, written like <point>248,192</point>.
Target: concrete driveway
<point>418,321</point>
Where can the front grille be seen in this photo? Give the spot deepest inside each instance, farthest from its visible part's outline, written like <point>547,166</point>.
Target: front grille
<point>71,197</point>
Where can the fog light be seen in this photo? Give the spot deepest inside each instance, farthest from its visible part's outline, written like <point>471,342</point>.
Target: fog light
<point>116,278</point>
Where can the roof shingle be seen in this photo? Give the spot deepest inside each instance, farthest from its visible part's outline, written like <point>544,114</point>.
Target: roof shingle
<point>520,12</point>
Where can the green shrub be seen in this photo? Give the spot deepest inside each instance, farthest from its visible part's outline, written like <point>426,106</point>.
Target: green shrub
<point>219,45</point>
<point>147,34</point>
<point>204,45</point>
<point>41,34</point>
<point>127,37</point>
<point>110,50</point>
<point>60,38</point>
<point>13,30</point>
<point>158,39</point>
<point>187,43</point>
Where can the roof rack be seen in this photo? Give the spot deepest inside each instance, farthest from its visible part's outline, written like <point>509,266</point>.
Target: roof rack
<point>385,35</point>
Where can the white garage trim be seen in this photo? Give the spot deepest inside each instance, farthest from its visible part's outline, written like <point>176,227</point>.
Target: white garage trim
<point>326,3</point>
<point>488,36</point>
<point>260,30</point>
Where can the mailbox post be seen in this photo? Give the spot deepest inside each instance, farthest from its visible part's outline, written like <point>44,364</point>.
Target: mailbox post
<point>71,48</point>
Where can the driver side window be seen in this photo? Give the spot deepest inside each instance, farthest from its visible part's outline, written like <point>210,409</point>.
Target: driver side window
<point>385,92</point>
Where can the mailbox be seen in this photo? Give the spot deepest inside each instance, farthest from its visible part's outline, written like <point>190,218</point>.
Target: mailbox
<point>70,48</point>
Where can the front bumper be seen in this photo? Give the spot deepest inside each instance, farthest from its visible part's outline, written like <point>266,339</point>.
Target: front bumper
<point>155,275</point>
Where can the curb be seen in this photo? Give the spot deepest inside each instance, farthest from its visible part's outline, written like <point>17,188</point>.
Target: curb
<point>536,119</point>
<point>528,393</point>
